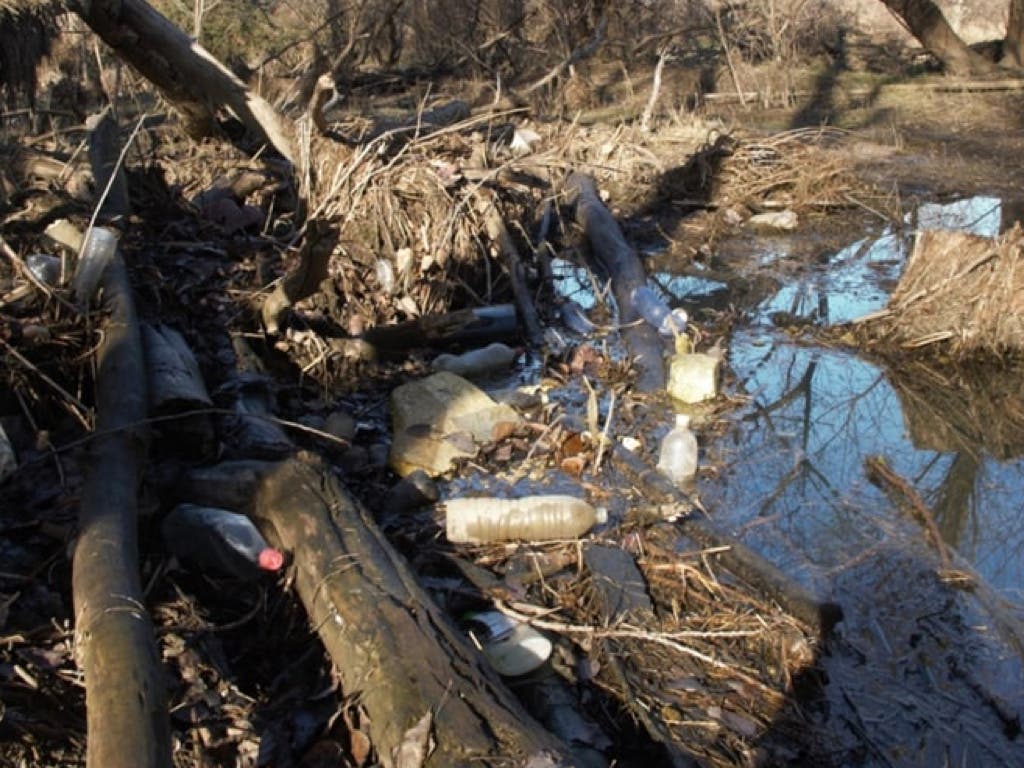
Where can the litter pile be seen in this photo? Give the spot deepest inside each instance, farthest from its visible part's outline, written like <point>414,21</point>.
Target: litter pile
<point>268,324</point>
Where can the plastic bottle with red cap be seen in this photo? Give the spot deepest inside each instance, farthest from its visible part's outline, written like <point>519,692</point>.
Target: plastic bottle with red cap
<point>208,538</point>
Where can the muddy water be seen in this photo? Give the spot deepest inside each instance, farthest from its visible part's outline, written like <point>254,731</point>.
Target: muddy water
<point>923,671</point>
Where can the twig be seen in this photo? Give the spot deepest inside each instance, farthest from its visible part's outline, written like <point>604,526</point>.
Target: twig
<point>666,639</point>
<point>583,52</point>
<point>604,433</point>
<point>728,58</point>
<point>645,120</point>
<point>82,410</point>
<point>905,496</point>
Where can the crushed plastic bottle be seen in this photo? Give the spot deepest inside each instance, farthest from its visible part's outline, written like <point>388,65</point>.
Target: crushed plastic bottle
<point>693,376</point>
<point>678,457</point>
<point>650,306</point>
<point>532,518</point>
<point>207,537</point>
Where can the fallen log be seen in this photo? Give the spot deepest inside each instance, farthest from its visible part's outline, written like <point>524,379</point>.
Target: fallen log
<point>392,646</point>
<point>733,555</point>
<point>619,262</point>
<point>468,327</point>
<point>125,696</point>
<point>187,75</point>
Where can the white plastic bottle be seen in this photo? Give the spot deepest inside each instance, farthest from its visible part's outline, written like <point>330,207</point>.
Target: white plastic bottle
<point>678,459</point>
<point>533,518</point>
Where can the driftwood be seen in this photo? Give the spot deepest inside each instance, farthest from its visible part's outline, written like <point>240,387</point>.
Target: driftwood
<point>104,151</point>
<point>125,695</point>
<point>176,387</point>
<point>955,572</point>
<point>506,246</point>
<point>304,279</point>
<point>620,594</point>
<point>732,554</point>
<point>189,77</point>
<point>903,495</point>
<point>619,262</point>
<point>392,647</point>
<point>470,327</point>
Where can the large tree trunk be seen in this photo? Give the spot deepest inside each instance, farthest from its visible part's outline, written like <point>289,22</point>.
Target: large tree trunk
<point>1013,45</point>
<point>189,77</point>
<point>926,22</point>
<point>390,643</point>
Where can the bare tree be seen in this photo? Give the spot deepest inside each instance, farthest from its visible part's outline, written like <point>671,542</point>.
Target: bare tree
<point>1013,44</point>
<point>927,23</point>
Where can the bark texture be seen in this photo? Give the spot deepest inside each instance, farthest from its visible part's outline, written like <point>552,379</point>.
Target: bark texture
<point>927,23</point>
<point>391,645</point>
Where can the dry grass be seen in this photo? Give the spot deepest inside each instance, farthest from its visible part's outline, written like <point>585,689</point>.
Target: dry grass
<point>959,293</point>
<point>711,671</point>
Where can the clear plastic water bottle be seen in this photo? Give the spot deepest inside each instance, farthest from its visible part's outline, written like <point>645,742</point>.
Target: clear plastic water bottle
<point>211,538</point>
<point>650,306</point>
<point>533,518</point>
<point>678,458</point>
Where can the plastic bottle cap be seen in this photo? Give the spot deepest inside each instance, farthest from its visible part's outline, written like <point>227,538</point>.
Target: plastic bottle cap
<point>270,559</point>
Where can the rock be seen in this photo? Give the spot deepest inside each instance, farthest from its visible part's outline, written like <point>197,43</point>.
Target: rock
<point>784,220</point>
<point>341,425</point>
<point>440,419</point>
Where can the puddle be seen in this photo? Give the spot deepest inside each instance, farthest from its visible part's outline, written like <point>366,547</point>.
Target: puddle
<point>793,484</point>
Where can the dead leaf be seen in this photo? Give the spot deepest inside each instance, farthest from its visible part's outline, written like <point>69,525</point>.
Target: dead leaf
<point>573,465</point>
<point>360,748</point>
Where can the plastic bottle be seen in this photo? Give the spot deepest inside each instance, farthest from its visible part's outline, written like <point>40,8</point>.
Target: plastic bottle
<point>217,539</point>
<point>96,255</point>
<point>678,459</point>
<point>477,362</point>
<point>533,518</point>
<point>511,648</point>
<point>44,267</point>
<point>650,306</point>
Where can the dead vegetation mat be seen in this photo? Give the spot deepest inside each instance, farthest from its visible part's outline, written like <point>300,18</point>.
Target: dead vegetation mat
<point>960,295</point>
<point>711,669</point>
